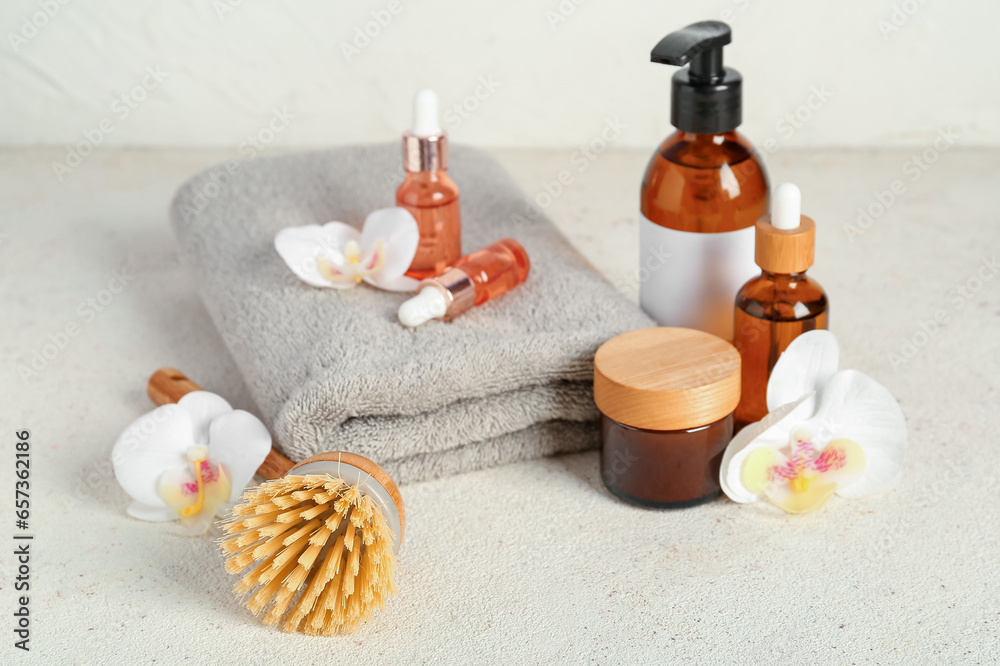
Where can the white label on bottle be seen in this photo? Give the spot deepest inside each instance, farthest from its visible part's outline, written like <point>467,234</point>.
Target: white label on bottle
<point>691,279</point>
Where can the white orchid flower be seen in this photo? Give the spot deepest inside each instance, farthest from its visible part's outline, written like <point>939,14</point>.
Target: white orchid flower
<point>827,432</point>
<point>186,460</point>
<point>337,255</point>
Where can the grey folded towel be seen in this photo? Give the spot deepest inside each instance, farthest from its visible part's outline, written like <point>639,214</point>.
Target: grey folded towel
<point>333,370</point>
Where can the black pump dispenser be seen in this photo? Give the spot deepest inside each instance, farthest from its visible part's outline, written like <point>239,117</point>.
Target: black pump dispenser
<point>706,98</point>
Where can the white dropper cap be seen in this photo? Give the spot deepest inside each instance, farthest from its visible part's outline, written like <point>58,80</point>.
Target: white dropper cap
<point>429,304</point>
<point>425,114</point>
<point>786,207</point>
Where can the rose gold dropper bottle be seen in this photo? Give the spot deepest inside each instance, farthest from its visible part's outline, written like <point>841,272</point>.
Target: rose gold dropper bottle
<point>428,193</point>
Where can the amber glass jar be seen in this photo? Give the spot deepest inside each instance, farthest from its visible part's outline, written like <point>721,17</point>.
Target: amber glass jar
<point>666,397</point>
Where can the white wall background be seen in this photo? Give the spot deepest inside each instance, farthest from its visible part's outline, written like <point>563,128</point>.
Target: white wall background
<point>896,71</point>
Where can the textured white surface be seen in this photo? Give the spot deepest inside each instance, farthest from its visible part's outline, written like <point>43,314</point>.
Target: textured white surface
<point>532,563</point>
<point>521,72</point>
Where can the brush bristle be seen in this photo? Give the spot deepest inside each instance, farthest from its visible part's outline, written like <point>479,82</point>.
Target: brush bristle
<point>316,538</point>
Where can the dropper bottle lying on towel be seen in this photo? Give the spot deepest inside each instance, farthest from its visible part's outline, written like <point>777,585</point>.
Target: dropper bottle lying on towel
<point>473,280</point>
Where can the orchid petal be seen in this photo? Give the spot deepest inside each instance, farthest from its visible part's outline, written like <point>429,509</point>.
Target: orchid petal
<point>240,442</point>
<point>756,469</point>
<point>856,407</point>
<point>151,445</point>
<point>302,247</point>
<point>204,407</point>
<point>399,284</point>
<point>805,482</point>
<point>760,474</point>
<point>177,487</point>
<point>784,497</point>
<point>774,430</point>
<point>398,231</point>
<point>197,504</point>
<point>804,367</point>
<point>154,514</point>
<point>850,464</point>
<point>334,238</point>
<point>337,277</point>
<point>374,260</point>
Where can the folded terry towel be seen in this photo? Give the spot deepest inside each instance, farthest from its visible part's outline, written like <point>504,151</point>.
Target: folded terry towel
<point>333,370</point>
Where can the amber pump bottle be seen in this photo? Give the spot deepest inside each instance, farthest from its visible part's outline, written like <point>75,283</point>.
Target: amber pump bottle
<point>428,193</point>
<point>702,192</point>
<point>779,305</point>
<point>473,280</point>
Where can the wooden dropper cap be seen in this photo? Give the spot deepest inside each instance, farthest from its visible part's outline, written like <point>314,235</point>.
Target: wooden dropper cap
<point>786,239</point>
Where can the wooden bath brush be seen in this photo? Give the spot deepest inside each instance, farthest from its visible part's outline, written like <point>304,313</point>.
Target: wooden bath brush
<point>316,542</point>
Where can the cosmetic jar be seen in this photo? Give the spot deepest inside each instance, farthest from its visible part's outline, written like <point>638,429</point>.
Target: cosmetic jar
<point>666,397</point>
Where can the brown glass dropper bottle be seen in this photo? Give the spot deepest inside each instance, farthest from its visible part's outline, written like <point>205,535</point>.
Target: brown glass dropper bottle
<point>779,305</point>
<point>702,192</point>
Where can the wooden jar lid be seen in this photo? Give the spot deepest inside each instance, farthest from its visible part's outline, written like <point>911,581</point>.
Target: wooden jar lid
<point>785,250</point>
<point>666,378</point>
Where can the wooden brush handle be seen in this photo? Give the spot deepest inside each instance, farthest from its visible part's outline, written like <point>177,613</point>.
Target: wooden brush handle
<point>169,385</point>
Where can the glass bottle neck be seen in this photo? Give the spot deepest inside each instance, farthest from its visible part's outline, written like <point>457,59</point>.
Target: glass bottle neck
<point>428,176</point>
<point>784,277</point>
<point>714,139</point>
